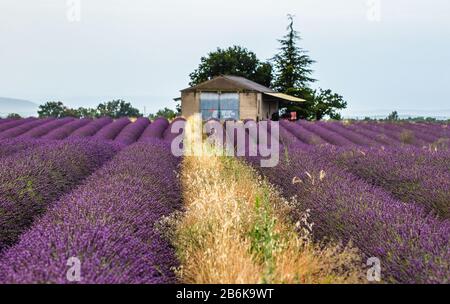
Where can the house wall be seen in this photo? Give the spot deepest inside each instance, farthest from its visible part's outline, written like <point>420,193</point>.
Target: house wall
<point>248,105</point>
<point>268,108</point>
<point>252,105</point>
<point>190,103</point>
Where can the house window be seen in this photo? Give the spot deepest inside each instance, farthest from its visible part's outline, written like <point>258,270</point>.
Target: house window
<point>209,105</point>
<point>229,106</point>
<point>219,106</point>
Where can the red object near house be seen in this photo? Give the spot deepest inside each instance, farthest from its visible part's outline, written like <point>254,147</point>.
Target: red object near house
<point>293,116</point>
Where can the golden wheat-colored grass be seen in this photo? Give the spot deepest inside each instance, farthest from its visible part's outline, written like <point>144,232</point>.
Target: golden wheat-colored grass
<point>235,229</point>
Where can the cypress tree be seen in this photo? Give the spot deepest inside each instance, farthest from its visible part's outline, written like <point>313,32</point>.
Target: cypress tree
<point>292,63</point>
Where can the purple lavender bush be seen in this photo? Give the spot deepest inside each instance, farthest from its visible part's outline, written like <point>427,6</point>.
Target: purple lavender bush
<point>47,127</point>
<point>168,135</point>
<point>22,128</point>
<point>401,137</point>
<point>14,123</point>
<point>432,133</point>
<point>155,130</point>
<point>411,175</point>
<point>422,132</point>
<point>382,139</point>
<point>5,120</point>
<point>110,131</point>
<point>11,146</point>
<point>287,138</point>
<point>374,127</point>
<point>405,135</point>
<point>67,129</point>
<point>33,179</point>
<point>330,136</point>
<point>131,133</point>
<point>108,224</point>
<point>352,136</point>
<point>439,130</point>
<point>302,134</point>
<point>411,243</point>
<point>92,128</point>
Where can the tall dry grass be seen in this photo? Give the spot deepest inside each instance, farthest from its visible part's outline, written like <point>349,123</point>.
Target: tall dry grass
<point>235,229</point>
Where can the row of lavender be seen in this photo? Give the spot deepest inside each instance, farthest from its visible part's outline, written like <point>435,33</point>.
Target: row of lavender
<point>334,133</point>
<point>50,207</point>
<point>371,134</point>
<point>375,197</point>
<point>404,241</point>
<point>32,179</point>
<point>121,130</point>
<point>410,173</point>
<point>107,224</point>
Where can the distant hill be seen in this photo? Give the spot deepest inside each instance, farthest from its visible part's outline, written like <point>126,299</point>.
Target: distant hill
<point>24,108</point>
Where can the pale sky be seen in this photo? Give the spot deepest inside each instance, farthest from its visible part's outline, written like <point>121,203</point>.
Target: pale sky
<point>143,51</point>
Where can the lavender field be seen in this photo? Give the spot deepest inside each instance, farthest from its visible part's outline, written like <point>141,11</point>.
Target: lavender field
<point>98,190</point>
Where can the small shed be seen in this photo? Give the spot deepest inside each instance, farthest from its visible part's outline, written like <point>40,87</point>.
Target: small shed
<point>232,98</point>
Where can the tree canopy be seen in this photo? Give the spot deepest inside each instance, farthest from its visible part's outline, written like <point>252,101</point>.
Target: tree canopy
<point>166,113</point>
<point>114,109</point>
<point>14,116</point>
<point>54,109</point>
<point>318,104</point>
<point>289,72</point>
<point>234,60</point>
<point>393,116</point>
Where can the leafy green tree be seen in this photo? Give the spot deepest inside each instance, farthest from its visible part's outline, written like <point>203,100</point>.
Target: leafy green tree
<point>52,109</point>
<point>178,108</point>
<point>393,116</point>
<point>69,112</point>
<point>14,116</point>
<point>336,116</point>
<point>234,60</point>
<point>430,119</point>
<point>166,112</point>
<point>117,108</point>
<point>318,104</point>
<point>87,112</point>
<point>292,64</point>
<point>326,103</point>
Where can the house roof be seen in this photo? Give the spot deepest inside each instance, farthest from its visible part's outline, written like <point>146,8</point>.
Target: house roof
<point>285,97</point>
<point>229,82</point>
<point>251,85</point>
<point>238,83</point>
